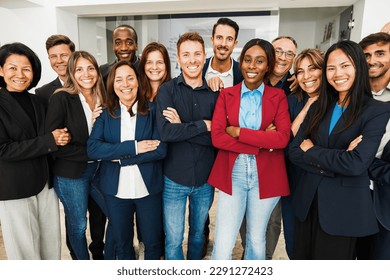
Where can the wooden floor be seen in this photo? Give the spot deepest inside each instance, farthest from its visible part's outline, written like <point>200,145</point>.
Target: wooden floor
<point>280,253</point>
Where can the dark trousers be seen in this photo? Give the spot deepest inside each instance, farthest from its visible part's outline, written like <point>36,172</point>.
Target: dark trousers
<point>148,211</point>
<point>312,243</point>
<point>374,247</point>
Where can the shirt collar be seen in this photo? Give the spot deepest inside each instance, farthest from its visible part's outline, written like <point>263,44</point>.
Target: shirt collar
<point>180,80</point>
<point>245,90</point>
<point>227,73</point>
<point>124,108</point>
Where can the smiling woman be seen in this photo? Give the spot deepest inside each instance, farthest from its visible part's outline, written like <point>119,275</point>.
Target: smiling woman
<point>28,207</point>
<point>75,106</point>
<point>241,129</point>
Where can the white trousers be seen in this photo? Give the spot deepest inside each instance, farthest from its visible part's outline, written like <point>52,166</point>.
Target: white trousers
<point>31,227</point>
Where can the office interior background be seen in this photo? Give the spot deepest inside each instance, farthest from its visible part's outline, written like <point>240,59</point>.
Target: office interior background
<point>89,23</point>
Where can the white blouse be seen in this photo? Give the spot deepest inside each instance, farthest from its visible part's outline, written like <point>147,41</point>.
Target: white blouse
<point>131,184</point>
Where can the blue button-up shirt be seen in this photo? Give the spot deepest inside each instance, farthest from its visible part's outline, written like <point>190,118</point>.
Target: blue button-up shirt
<point>250,107</point>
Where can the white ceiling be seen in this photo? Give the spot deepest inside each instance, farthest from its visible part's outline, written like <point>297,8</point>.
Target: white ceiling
<point>138,7</point>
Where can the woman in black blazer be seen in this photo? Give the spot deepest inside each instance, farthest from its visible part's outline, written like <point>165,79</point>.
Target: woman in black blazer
<point>29,210</point>
<point>332,200</point>
<point>75,107</point>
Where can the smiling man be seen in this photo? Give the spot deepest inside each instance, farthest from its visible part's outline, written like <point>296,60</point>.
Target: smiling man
<point>59,49</point>
<point>221,70</point>
<point>124,45</point>
<point>376,48</point>
<point>185,107</point>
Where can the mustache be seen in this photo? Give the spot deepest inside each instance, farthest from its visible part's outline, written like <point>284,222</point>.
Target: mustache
<point>222,48</point>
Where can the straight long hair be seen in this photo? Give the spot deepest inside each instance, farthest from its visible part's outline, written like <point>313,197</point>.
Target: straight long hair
<point>358,95</point>
<point>144,82</point>
<point>71,86</point>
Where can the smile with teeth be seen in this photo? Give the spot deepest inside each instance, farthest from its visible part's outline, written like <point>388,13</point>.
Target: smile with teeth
<point>19,82</point>
<point>340,81</point>
<point>251,75</point>
<point>192,67</point>
<point>310,84</point>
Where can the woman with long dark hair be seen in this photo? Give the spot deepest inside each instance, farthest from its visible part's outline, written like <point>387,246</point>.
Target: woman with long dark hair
<point>333,202</point>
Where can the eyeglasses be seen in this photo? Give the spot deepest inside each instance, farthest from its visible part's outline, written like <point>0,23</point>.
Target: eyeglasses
<point>289,54</point>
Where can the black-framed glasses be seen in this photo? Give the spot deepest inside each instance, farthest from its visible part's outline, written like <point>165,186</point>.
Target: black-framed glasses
<point>289,54</point>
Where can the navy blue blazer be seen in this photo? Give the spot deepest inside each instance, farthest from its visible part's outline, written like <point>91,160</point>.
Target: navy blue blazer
<point>340,178</point>
<point>237,75</point>
<point>105,144</point>
<point>380,174</point>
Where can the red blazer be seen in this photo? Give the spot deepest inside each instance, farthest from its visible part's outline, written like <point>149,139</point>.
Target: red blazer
<point>266,146</point>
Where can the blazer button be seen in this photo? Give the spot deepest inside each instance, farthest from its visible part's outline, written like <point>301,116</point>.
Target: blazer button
<point>322,171</point>
<point>271,150</point>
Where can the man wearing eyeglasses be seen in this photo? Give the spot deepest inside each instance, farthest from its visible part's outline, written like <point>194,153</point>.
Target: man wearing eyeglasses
<point>285,50</point>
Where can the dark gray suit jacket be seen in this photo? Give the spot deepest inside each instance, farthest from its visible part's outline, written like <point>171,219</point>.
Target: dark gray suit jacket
<point>47,90</point>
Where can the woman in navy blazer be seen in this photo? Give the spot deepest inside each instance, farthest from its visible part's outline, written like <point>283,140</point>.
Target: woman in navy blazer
<point>74,106</point>
<point>126,140</point>
<point>333,201</point>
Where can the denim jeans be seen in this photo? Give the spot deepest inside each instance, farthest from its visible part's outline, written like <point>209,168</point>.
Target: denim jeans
<point>232,208</point>
<point>174,209</point>
<point>73,193</point>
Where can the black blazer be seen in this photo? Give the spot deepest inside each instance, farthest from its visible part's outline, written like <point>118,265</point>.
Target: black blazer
<point>339,178</point>
<point>48,89</point>
<point>380,174</point>
<point>23,150</point>
<point>65,110</point>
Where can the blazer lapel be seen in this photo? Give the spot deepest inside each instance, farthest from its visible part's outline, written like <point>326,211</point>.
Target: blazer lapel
<point>233,100</point>
<point>268,107</point>
<point>80,115</point>
<point>140,125</point>
<point>115,125</point>
<point>14,109</point>
<point>334,136</point>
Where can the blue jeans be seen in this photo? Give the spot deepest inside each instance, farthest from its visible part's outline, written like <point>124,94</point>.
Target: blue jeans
<point>232,208</point>
<point>73,194</point>
<point>174,210</point>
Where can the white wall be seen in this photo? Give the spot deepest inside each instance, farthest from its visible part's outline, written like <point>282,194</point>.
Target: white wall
<point>30,26</point>
<point>307,26</point>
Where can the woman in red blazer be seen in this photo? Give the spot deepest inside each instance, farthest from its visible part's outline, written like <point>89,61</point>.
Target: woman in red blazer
<point>249,170</point>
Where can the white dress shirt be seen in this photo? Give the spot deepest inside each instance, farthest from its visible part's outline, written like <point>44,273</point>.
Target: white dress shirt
<point>131,184</point>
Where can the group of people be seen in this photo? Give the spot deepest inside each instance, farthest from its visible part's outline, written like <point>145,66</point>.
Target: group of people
<point>129,148</point>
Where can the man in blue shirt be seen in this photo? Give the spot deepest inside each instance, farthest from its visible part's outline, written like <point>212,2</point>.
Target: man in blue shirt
<point>184,110</point>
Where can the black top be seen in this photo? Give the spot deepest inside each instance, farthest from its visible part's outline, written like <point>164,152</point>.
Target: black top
<point>283,84</point>
<point>190,153</point>
<point>23,98</point>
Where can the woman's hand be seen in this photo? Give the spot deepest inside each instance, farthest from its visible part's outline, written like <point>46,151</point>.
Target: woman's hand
<point>96,112</point>
<point>354,143</point>
<point>145,146</point>
<point>233,131</point>
<point>61,136</point>
<point>306,145</point>
<point>171,115</point>
<point>271,127</point>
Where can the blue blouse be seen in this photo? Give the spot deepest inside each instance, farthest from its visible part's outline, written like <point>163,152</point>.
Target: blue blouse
<point>250,107</point>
